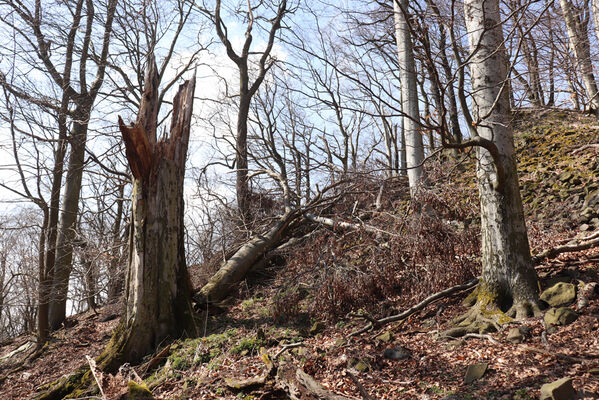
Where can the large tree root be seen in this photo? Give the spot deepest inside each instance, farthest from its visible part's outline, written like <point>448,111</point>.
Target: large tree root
<point>485,316</point>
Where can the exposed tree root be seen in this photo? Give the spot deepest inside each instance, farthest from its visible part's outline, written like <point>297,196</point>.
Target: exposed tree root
<point>484,317</point>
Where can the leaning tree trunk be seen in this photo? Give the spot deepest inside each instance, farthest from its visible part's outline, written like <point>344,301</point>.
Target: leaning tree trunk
<point>409,95</point>
<point>508,285</point>
<point>234,270</point>
<point>157,291</point>
<point>579,42</point>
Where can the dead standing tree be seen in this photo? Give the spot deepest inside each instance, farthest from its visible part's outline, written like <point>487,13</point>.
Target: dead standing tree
<point>157,291</point>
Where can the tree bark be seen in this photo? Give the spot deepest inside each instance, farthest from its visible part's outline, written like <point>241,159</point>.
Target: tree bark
<point>235,268</point>
<point>158,291</point>
<point>409,95</point>
<point>579,42</point>
<point>508,277</point>
<point>68,219</point>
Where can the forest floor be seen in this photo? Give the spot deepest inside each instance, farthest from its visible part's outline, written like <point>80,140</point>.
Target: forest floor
<point>401,360</point>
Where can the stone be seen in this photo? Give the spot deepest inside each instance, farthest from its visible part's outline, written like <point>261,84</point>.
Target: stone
<point>560,316</point>
<point>475,372</point>
<point>397,353</point>
<point>559,294</point>
<point>584,227</point>
<point>385,337</point>
<point>317,328</point>
<point>515,336</point>
<point>525,330</point>
<point>138,391</point>
<point>561,389</point>
<point>361,366</point>
<point>565,176</point>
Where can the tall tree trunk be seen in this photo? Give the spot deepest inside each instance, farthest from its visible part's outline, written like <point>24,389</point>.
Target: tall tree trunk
<point>158,292</point>
<point>579,42</point>
<point>115,273</point>
<point>509,281</point>
<point>409,95</point>
<point>68,218</point>
<point>51,229</point>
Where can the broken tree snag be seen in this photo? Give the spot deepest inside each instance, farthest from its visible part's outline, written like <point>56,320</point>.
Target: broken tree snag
<point>157,292</point>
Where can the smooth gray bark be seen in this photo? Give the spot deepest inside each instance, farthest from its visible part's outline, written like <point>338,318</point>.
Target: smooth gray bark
<point>579,42</point>
<point>409,95</point>
<point>508,277</point>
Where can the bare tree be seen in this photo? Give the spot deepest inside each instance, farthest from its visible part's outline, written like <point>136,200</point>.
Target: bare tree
<point>577,21</point>
<point>509,281</point>
<point>409,94</point>
<point>248,85</point>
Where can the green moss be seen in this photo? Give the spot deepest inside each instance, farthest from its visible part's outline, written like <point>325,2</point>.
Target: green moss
<point>248,345</point>
<point>138,391</point>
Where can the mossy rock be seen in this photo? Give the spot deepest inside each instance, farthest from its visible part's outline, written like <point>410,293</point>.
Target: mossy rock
<point>138,391</point>
<point>317,328</point>
<point>560,316</point>
<point>560,294</point>
<point>385,337</point>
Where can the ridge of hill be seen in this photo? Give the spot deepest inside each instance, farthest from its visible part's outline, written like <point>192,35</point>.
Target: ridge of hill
<point>299,317</point>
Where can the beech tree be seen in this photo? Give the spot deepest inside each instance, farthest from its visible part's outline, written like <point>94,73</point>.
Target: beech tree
<point>248,84</point>
<point>577,22</point>
<point>409,94</point>
<point>508,286</point>
<point>157,297</point>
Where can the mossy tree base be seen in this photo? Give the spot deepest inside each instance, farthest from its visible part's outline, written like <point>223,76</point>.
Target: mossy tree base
<point>486,315</point>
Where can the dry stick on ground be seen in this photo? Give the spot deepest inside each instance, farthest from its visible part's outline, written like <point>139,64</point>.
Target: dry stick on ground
<point>586,146</point>
<point>581,244</point>
<point>398,317</point>
<point>97,375</point>
<point>287,347</point>
<point>361,388</point>
<point>316,388</point>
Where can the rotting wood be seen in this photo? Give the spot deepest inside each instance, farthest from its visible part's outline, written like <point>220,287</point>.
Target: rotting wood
<point>315,388</point>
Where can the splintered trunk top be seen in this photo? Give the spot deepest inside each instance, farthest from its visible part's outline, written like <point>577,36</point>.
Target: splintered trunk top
<point>157,288</point>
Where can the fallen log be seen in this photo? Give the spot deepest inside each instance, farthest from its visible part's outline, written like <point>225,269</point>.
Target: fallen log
<point>315,388</point>
<point>234,269</point>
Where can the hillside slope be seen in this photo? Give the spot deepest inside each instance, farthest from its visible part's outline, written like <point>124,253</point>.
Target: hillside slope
<point>301,314</point>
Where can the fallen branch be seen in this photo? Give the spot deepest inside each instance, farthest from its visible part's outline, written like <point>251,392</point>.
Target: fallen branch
<point>97,375</point>
<point>361,388</point>
<point>315,388</point>
<point>287,347</point>
<point>586,146</point>
<point>335,224</point>
<point>582,244</point>
<point>398,317</point>
<point>555,354</point>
